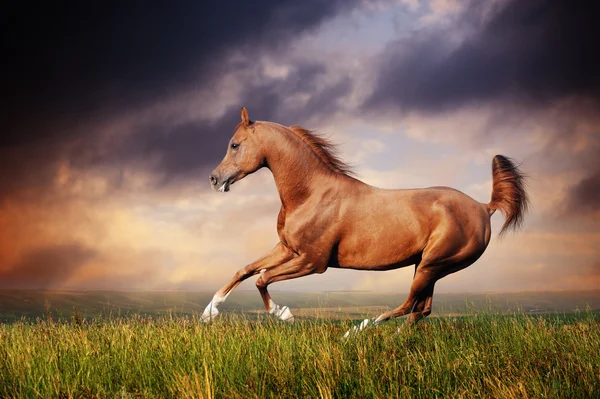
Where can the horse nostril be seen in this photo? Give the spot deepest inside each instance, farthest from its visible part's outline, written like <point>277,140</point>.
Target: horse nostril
<point>213,180</point>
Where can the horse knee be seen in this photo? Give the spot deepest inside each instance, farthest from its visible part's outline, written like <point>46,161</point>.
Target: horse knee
<point>242,274</point>
<point>239,275</point>
<point>261,284</point>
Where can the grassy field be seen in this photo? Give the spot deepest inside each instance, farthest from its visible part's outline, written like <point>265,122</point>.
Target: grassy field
<point>484,356</point>
<point>483,353</point>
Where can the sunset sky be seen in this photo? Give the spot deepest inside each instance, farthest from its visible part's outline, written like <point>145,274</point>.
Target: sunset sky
<point>114,114</point>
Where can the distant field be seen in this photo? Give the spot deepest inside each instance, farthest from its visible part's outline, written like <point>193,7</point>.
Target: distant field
<point>15,305</point>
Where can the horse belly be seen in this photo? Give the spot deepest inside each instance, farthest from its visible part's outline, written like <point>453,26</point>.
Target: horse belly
<point>379,251</point>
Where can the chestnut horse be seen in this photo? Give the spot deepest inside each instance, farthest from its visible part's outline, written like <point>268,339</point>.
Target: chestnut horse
<point>330,219</point>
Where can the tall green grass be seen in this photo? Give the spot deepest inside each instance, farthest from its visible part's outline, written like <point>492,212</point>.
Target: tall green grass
<point>490,355</point>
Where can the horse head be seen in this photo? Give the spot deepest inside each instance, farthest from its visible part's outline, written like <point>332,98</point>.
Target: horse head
<point>244,156</point>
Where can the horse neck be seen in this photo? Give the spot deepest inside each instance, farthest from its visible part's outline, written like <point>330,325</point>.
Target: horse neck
<point>297,170</point>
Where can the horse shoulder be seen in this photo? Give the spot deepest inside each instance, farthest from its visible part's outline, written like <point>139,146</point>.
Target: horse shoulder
<point>308,229</point>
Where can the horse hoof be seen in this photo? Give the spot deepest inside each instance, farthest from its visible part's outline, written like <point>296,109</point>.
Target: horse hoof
<point>282,313</point>
<point>208,317</point>
<point>209,314</point>
<point>357,329</point>
<point>285,314</point>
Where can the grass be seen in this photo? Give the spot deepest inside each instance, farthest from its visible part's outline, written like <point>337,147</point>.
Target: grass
<point>488,355</point>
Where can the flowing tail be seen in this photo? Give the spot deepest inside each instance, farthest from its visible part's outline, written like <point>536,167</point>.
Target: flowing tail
<point>508,193</point>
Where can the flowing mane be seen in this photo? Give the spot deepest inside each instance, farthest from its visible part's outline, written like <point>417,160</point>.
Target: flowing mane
<point>325,150</point>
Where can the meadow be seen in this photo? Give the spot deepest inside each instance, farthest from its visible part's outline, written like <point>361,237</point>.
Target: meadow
<point>482,350</point>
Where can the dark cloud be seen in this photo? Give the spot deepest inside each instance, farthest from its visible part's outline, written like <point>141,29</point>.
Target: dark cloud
<point>46,267</point>
<point>64,62</point>
<point>570,149</point>
<point>531,59</point>
<point>71,66</point>
<point>187,148</point>
<point>534,51</point>
<point>584,197</point>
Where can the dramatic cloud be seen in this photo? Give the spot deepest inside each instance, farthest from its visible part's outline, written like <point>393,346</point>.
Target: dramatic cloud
<point>106,106</point>
<point>186,147</point>
<point>69,62</point>
<point>72,68</point>
<point>520,69</point>
<point>535,52</point>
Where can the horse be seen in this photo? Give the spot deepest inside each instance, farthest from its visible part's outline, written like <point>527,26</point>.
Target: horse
<point>329,218</point>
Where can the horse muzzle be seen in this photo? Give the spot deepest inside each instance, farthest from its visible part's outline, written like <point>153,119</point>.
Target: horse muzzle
<point>221,185</point>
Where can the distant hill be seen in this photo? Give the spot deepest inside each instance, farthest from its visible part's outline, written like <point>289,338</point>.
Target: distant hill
<point>17,304</point>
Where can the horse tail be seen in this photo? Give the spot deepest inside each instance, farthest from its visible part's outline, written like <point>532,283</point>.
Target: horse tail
<point>508,193</point>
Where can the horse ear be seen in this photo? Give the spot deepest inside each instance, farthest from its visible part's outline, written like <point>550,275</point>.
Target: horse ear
<point>245,118</point>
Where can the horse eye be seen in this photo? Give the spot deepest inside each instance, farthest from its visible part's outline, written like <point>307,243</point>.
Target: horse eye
<point>234,145</point>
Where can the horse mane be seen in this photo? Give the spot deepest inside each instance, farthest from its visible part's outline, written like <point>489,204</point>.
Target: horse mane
<point>324,149</point>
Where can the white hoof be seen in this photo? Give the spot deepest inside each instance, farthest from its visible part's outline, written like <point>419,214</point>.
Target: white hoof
<point>357,329</point>
<point>283,313</point>
<point>210,313</point>
<point>286,315</point>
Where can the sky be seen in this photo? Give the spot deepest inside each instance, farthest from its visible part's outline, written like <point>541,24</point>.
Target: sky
<point>114,113</point>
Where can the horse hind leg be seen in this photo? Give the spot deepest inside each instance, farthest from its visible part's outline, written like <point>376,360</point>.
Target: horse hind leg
<point>439,259</point>
<point>423,307</point>
<point>419,297</point>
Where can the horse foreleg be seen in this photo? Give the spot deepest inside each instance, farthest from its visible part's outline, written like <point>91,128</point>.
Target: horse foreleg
<point>294,268</point>
<point>276,257</point>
